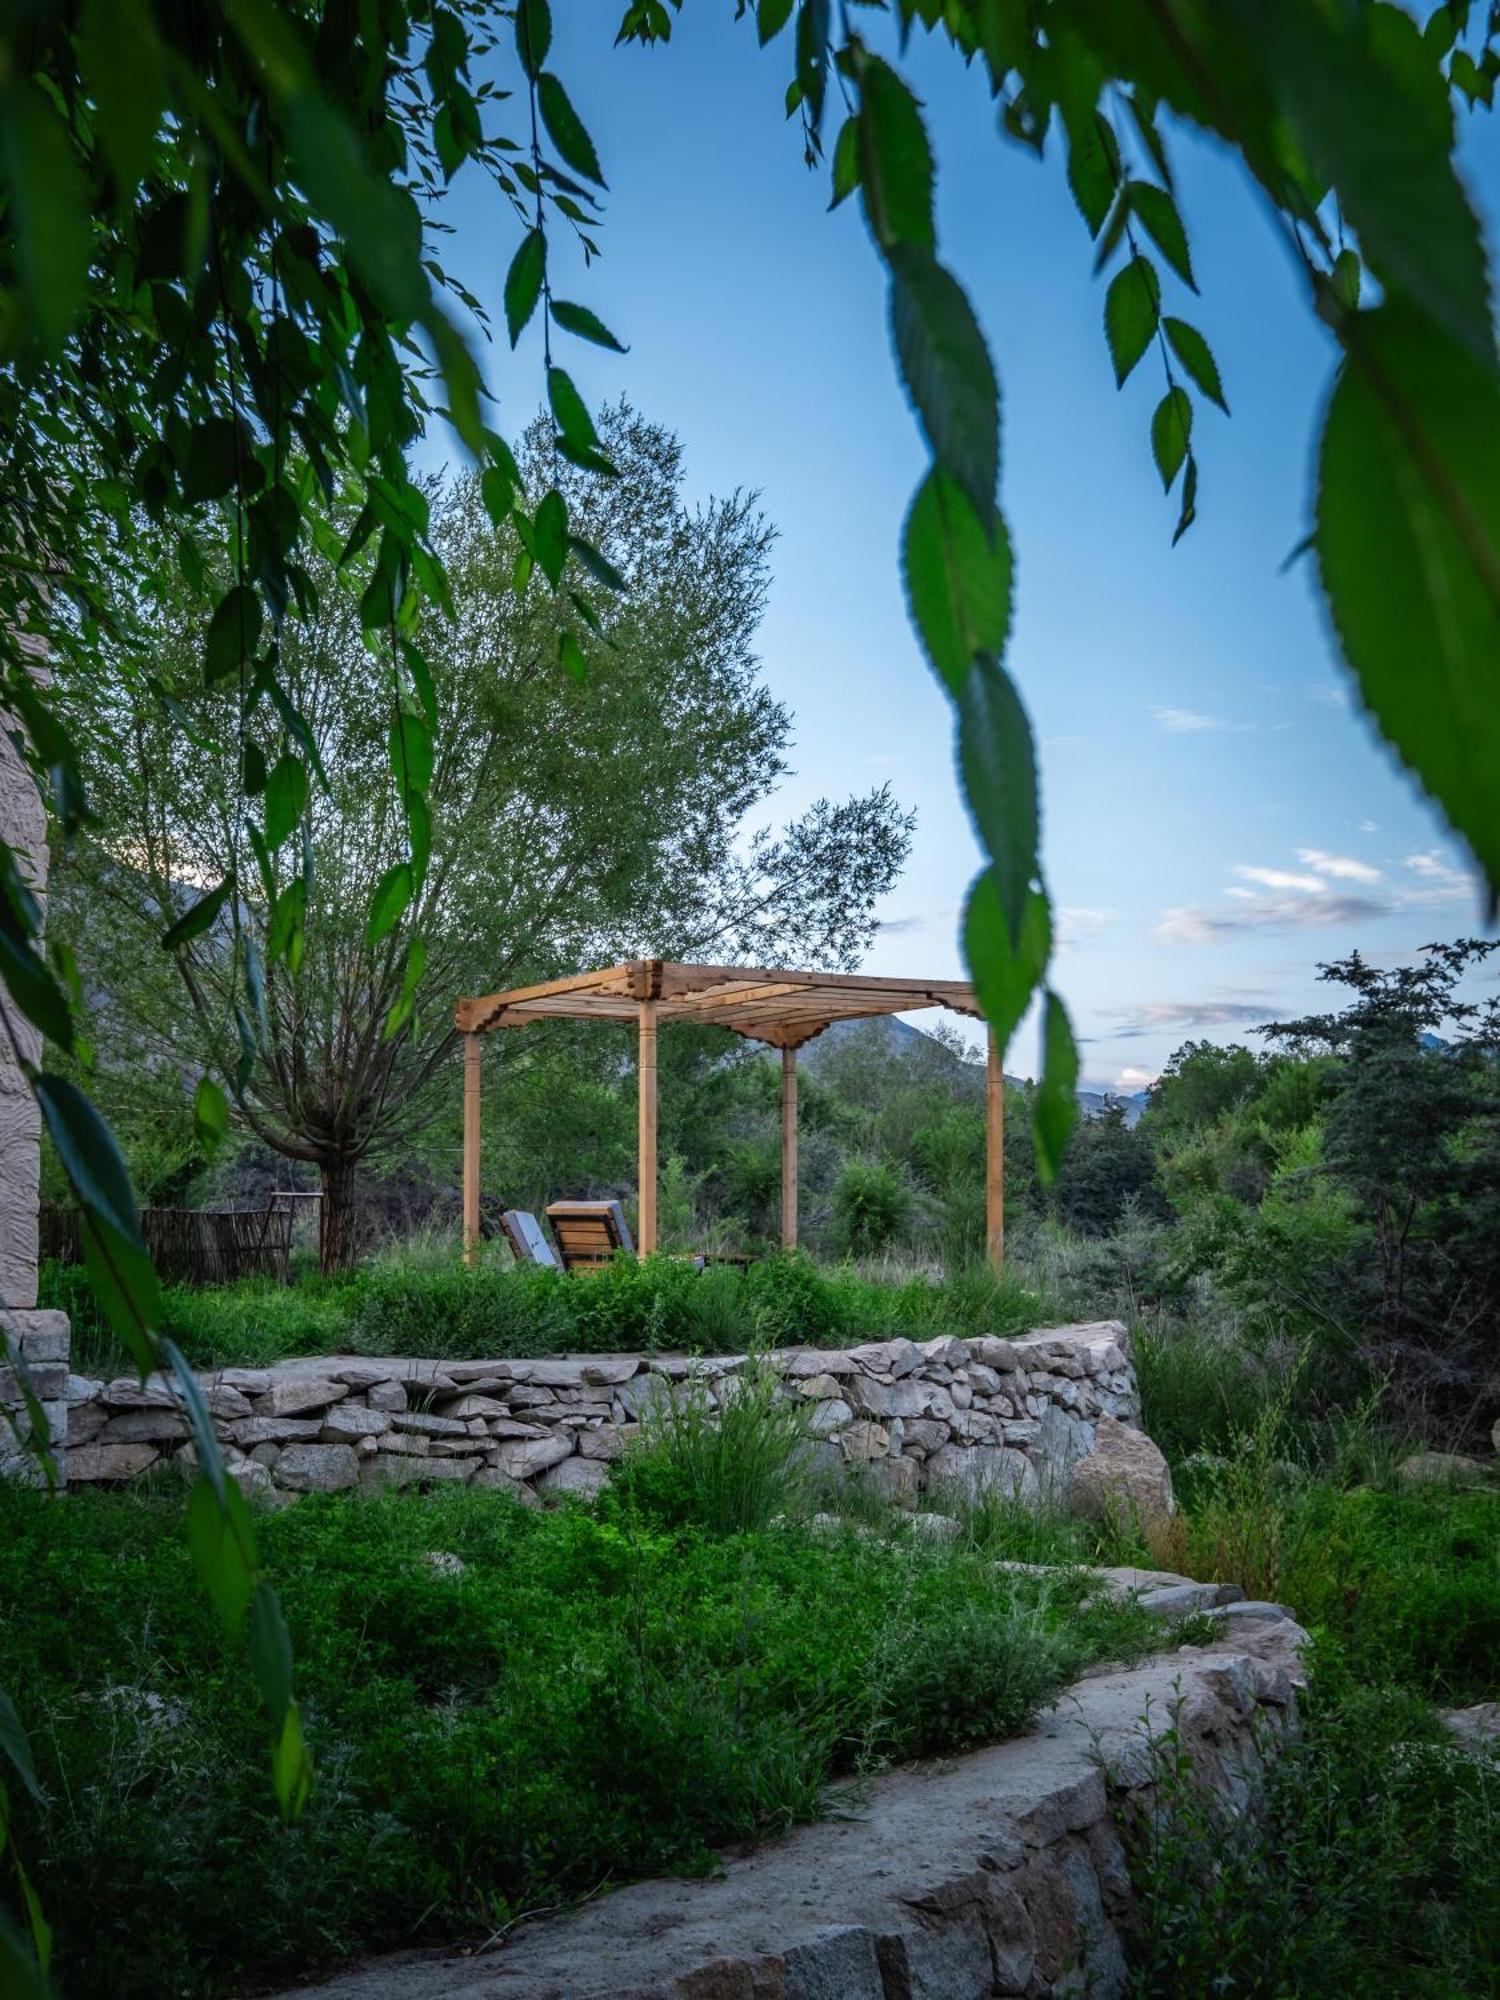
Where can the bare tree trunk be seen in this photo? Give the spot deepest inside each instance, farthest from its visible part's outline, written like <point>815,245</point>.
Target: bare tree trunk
<point>336,1221</point>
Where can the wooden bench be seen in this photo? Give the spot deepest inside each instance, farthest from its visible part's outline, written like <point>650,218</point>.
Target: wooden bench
<point>589,1234</point>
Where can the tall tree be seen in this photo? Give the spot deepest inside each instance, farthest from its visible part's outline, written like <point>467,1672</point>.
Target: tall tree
<point>572,822</point>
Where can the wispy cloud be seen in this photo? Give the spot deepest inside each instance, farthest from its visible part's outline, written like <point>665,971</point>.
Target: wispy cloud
<point>1268,913</point>
<point>1279,878</point>
<point>1075,923</point>
<point>1151,1016</point>
<point>1190,722</point>
<point>1132,1079</point>
<point>1343,867</point>
<point>1437,881</point>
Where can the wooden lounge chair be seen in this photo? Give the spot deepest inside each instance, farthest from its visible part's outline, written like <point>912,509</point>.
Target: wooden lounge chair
<point>589,1233</point>
<point>528,1240</point>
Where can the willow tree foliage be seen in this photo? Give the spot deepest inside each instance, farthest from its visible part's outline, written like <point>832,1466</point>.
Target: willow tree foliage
<point>221,300</point>
<point>572,823</point>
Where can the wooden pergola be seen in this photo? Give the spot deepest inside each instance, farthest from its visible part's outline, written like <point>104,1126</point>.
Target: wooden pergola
<point>783,1009</point>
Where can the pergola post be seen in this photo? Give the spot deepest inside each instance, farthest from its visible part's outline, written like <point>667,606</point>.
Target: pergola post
<point>994,1154</point>
<point>646,1091</point>
<point>788,1149</point>
<point>472,1047</point>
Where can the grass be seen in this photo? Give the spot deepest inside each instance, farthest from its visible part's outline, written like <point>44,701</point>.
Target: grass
<point>586,1695</point>
<point>433,1305</point>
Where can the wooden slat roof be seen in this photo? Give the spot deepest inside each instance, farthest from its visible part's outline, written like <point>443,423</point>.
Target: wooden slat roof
<point>762,1003</point>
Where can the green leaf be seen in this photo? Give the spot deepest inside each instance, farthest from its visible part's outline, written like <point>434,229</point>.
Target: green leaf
<point>27,977</point>
<point>1158,214</point>
<point>210,465</point>
<point>291,1767</point>
<point>958,578</point>
<point>566,129</point>
<point>1345,277</point>
<point>391,895</point>
<point>549,529</point>
<point>86,1148</point>
<point>16,1746</point>
<point>418,835</point>
<point>1193,351</point>
<point>998,764</point>
<point>411,979</point>
<point>599,566</point>
<point>196,920</point>
<point>1408,528</point>
<point>1005,976</point>
<point>1131,307</point>
<point>284,933</point>
<point>1094,172</point>
<point>947,370</point>
<point>570,657</point>
<point>21,1977</point>
<point>221,1538</point>
<point>286,799</point>
<point>410,752</point>
<point>233,633</point>
<point>533,34</point>
<point>1171,429</point>
<point>210,1114</point>
<point>578,320</point>
<point>771,16</point>
<point>125,1285</point>
<point>497,493</point>
<point>47,226</point>
<point>253,770</point>
<point>1369,108</point>
<point>1055,1106</point>
<point>523,282</point>
<point>206,1444</point>
<point>895,159</point>
<point>1189,512</point>
<point>270,1652</point>
<point>41,1930</point>
<point>569,411</point>
<point>845,161</point>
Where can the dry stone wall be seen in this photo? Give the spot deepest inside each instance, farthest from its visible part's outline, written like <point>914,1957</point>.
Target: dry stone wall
<point>1018,1414</point>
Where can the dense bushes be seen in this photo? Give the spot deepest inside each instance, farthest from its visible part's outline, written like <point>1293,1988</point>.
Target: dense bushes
<point>579,1696</point>
<point>1370,1872</point>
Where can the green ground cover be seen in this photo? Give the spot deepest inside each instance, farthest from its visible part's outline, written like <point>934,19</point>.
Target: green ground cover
<point>583,1696</point>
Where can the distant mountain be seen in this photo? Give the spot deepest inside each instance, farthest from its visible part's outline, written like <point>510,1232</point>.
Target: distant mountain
<point>899,1038</point>
<point>1093,1102</point>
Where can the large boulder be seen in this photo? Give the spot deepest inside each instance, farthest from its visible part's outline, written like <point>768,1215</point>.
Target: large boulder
<point>1124,1476</point>
<point>1442,1468</point>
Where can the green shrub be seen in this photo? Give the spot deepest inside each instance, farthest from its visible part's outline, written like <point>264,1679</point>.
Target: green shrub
<point>1371,1870</point>
<point>1198,1391</point>
<point>726,1455</point>
<point>871,1201</point>
<point>590,1695</point>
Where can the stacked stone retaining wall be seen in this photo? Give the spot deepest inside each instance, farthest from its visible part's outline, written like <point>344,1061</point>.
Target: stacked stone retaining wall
<point>1013,1413</point>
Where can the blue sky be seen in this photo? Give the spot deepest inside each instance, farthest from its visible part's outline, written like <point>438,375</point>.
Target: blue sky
<point>1218,817</point>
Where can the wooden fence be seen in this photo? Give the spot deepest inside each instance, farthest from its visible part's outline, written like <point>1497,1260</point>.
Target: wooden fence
<point>200,1246</point>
